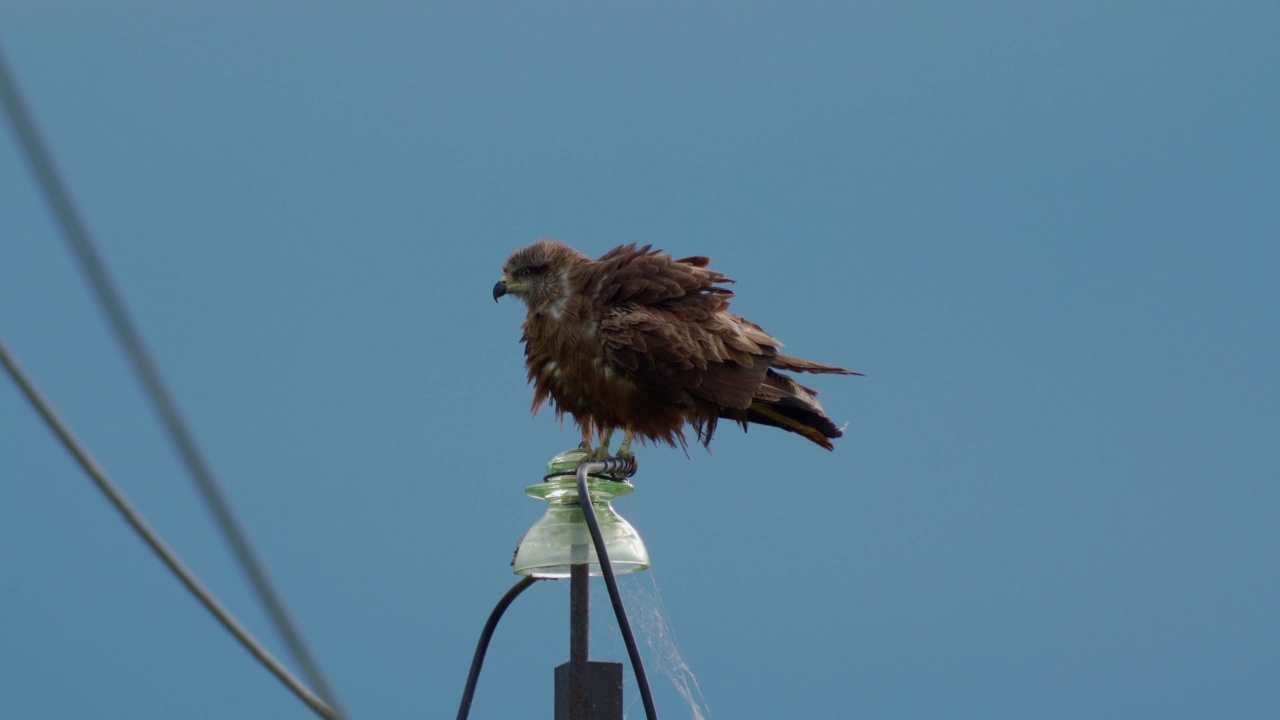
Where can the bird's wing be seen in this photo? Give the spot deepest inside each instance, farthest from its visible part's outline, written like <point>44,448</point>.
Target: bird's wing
<point>688,350</point>
<point>643,276</point>
<point>666,323</point>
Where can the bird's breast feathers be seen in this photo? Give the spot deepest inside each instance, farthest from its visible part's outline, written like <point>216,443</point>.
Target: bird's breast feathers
<point>567,363</point>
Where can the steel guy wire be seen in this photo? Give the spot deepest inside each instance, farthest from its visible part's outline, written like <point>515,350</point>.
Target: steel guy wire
<point>130,339</point>
<point>155,542</point>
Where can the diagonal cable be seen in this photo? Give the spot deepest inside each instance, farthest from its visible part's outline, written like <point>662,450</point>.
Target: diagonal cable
<point>113,306</point>
<point>153,539</point>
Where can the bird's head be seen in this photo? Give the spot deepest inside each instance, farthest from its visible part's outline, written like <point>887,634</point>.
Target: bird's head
<point>538,274</point>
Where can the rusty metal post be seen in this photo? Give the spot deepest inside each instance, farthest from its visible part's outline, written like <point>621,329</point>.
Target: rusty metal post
<point>585,690</point>
<point>579,613</point>
<point>589,691</point>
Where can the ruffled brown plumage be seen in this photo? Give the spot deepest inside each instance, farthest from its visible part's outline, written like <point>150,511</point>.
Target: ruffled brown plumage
<point>640,341</point>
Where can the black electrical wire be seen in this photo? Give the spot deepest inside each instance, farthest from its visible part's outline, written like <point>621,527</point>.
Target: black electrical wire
<point>589,512</point>
<point>473,677</point>
<point>82,246</point>
<point>155,542</point>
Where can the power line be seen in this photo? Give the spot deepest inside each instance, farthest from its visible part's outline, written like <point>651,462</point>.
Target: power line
<point>155,542</point>
<point>82,246</point>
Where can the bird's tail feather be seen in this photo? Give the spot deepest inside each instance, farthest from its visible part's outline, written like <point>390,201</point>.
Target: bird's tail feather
<point>817,428</point>
<point>788,362</point>
<point>783,403</point>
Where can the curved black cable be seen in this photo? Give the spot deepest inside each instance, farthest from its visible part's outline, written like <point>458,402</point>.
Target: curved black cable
<point>473,677</point>
<point>82,246</point>
<point>589,512</point>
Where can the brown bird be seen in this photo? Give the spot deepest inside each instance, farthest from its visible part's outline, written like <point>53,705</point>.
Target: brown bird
<point>640,341</point>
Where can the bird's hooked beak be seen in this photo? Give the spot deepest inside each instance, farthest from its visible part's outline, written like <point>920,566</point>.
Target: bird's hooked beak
<point>500,289</point>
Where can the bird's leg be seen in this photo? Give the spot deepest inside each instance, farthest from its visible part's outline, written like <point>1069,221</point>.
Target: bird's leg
<point>602,452</point>
<point>624,450</point>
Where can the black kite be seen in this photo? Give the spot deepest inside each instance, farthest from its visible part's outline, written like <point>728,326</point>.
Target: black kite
<point>639,341</point>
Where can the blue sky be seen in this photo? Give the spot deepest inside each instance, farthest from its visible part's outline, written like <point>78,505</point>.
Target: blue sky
<point>1047,233</point>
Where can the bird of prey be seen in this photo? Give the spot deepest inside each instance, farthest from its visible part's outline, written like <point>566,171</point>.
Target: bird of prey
<point>640,341</point>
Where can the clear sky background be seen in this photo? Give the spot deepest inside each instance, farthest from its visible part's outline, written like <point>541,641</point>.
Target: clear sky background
<point>1046,232</point>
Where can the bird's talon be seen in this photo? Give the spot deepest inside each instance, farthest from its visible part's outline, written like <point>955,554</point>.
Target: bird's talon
<point>630,457</point>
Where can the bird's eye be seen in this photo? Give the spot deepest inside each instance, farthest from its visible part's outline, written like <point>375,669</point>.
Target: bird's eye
<point>523,272</point>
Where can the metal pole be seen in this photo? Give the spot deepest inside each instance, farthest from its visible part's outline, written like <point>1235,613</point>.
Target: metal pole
<point>585,690</point>
<point>579,613</point>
